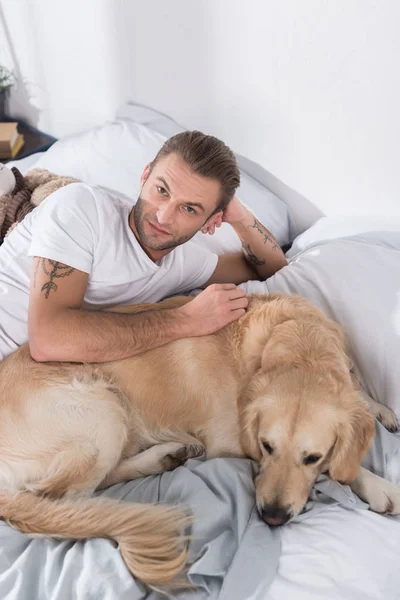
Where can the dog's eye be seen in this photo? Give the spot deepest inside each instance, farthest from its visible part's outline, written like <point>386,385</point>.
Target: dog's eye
<point>268,447</point>
<point>311,459</point>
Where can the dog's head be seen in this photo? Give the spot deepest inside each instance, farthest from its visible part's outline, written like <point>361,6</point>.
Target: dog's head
<point>300,419</point>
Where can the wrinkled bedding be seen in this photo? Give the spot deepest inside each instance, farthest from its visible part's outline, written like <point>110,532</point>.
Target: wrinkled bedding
<point>235,555</point>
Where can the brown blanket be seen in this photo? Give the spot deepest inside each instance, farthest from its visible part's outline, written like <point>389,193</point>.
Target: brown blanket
<point>28,193</point>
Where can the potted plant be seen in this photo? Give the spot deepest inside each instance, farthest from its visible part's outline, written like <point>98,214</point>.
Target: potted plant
<point>7,80</point>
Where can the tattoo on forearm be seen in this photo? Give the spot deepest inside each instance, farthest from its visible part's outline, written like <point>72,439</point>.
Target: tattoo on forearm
<point>266,235</point>
<point>54,270</point>
<point>251,257</point>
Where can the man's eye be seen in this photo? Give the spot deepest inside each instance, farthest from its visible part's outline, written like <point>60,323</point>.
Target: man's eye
<point>190,210</point>
<point>161,190</point>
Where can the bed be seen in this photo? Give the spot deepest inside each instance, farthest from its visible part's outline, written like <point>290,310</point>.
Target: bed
<point>337,549</point>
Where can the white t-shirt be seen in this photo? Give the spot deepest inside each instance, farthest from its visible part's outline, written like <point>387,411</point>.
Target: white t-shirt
<point>88,228</point>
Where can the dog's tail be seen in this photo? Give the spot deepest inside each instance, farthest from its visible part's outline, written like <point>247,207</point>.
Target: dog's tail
<point>149,536</point>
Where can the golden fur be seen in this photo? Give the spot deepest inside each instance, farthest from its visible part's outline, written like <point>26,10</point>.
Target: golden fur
<point>274,386</point>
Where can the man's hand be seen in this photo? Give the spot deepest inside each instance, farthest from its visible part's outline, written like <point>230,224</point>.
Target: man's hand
<point>235,212</point>
<point>260,248</point>
<point>214,308</point>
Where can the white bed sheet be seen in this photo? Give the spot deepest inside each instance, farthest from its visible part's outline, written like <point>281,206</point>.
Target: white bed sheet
<point>339,555</point>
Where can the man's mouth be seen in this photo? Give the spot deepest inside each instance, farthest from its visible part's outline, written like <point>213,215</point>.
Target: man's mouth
<point>157,228</point>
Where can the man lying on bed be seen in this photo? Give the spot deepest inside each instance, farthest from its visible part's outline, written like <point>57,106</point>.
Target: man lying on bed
<point>82,250</point>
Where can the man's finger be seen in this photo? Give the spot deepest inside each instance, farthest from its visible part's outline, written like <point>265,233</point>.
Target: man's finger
<point>239,303</point>
<point>236,314</point>
<point>237,293</point>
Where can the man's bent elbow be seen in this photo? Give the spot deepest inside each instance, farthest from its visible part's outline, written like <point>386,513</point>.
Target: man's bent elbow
<point>282,263</point>
<point>43,349</point>
<point>277,266</point>
<point>39,352</point>
<point>44,341</point>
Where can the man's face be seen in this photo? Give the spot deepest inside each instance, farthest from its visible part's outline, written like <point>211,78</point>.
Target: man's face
<point>174,204</point>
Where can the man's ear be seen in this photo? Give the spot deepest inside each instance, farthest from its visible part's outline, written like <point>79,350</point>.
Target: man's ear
<point>215,219</point>
<point>145,174</point>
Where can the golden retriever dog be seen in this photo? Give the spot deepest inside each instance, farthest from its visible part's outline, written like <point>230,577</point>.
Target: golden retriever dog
<point>274,386</point>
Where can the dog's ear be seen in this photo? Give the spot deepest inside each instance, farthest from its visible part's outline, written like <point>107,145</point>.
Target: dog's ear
<point>249,426</point>
<point>290,344</point>
<point>354,436</point>
<point>279,350</point>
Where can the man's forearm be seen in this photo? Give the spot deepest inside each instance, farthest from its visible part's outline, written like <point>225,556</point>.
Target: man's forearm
<point>83,336</point>
<point>260,248</point>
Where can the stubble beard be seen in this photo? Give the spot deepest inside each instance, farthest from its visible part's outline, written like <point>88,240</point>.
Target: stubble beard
<point>146,240</point>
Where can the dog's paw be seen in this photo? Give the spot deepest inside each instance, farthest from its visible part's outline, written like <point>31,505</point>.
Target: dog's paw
<point>382,496</point>
<point>387,417</point>
<point>180,455</point>
<point>385,499</point>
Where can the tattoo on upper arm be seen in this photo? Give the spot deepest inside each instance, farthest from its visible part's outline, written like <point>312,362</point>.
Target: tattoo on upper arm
<point>266,235</point>
<point>54,270</point>
<point>251,257</point>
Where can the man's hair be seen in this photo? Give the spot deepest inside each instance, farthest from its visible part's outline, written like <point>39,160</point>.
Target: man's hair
<point>208,156</point>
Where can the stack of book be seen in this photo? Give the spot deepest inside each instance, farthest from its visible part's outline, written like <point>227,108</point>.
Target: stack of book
<point>10,140</point>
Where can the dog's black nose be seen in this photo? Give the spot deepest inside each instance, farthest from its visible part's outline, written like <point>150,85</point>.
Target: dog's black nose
<point>275,515</point>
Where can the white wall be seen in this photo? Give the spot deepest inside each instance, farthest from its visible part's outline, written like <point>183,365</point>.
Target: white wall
<point>310,90</point>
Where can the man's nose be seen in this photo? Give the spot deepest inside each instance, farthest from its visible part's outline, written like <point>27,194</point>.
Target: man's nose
<point>273,514</point>
<point>165,213</point>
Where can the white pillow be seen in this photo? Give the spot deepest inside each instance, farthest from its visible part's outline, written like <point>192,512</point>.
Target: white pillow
<point>25,164</point>
<point>329,228</point>
<point>114,155</point>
